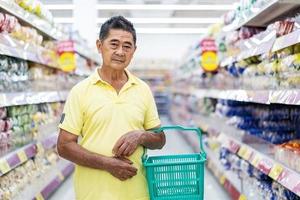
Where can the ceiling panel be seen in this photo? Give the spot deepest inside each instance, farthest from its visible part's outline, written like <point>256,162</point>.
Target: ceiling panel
<point>197,14</point>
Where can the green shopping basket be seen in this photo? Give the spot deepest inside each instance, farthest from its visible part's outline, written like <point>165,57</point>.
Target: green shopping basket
<point>176,177</point>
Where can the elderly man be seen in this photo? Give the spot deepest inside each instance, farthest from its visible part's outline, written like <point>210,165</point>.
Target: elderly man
<point>111,111</point>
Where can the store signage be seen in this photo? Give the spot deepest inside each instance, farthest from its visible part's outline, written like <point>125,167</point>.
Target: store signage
<point>209,59</point>
<point>67,58</point>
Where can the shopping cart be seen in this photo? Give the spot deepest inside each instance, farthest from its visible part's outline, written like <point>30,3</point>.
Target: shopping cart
<point>176,177</point>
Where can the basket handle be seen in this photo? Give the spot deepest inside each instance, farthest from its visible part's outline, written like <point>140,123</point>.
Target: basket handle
<point>177,127</point>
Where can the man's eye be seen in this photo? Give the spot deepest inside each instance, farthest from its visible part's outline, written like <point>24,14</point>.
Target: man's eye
<point>113,44</point>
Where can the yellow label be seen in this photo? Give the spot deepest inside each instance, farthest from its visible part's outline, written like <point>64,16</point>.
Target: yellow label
<point>276,171</point>
<point>247,154</point>
<point>242,197</point>
<point>39,197</point>
<point>209,61</point>
<point>40,147</point>
<point>61,176</point>
<point>222,179</point>
<point>256,160</point>
<point>67,61</point>
<point>4,166</point>
<point>22,156</point>
<point>242,151</point>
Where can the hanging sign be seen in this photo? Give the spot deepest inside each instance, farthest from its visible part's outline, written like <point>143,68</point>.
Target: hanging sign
<point>209,58</point>
<point>66,52</point>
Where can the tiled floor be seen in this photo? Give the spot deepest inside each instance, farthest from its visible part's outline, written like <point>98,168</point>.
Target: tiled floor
<point>175,145</point>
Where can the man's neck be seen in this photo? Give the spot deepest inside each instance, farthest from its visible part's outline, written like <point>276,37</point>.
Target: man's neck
<point>111,75</point>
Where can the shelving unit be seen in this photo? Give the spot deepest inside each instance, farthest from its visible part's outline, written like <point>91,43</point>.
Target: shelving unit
<point>199,91</point>
<point>256,152</point>
<point>229,180</point>
<point>46,28</point>
<point>24,98</point>
<point>289,97</point>
<point>264,15</point>
<point>16,158</point>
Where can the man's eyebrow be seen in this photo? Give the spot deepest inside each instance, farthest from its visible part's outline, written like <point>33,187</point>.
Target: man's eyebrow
<point>114,40</point>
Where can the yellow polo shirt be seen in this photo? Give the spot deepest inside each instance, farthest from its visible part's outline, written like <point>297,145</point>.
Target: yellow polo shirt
<point>100,116</point>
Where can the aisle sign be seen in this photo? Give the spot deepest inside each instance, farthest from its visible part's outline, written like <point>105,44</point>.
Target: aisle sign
<point>66,52</point>
<point>209,59</point>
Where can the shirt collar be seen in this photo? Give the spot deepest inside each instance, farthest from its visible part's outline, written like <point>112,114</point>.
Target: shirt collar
<point>96,78</point>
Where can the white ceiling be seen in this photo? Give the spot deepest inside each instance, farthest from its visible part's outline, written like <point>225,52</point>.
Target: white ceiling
<point>204,13</point>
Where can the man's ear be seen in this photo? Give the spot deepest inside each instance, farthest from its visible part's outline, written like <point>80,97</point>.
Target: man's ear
<point>99,46</point>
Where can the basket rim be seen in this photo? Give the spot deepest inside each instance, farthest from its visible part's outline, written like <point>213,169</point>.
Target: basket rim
<point>201,159</point>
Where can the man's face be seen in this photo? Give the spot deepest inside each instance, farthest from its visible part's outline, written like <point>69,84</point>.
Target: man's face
<point>117,49</point>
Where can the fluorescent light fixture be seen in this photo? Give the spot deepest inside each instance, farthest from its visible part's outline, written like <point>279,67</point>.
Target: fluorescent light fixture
<point>60,7</point>
<point>171,30</point>
<point>68,20</point>
<point>168,20</point>
<point>163,7</point>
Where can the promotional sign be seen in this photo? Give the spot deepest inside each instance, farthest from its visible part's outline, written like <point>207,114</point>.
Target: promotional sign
<point>66,52</point>
<point>209,58</point>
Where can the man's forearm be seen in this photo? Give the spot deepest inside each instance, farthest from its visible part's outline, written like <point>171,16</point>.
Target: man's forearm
<point>152,140</point>
<point>77,154</point>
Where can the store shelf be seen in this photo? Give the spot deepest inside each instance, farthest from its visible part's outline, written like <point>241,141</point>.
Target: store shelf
<point>289,96</point>
<point>229,180</point>
<point>286,40</point>
<point>17,157</point>
<point>264,15</point>
<point>43,186</point>
<point>256,152</point>
<point>55,181</point>
<point>21,155</point>
<point>14,48</point>
<point>43,26</point>
<point>227,61</point>
<point>25,98</point>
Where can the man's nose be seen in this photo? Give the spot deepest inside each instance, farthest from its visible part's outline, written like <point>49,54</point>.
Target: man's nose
<point>120,51</point>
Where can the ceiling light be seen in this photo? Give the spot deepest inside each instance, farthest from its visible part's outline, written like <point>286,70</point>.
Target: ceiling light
<point>168,20</point>
<point>163,7</point>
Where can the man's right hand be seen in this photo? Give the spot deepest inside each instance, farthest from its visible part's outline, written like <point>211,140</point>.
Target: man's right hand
<point>121,168</point>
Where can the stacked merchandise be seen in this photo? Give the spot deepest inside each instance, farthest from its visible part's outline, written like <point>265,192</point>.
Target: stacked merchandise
<point>19,125</point>
<point>257,185</point>
<point>15,183</point>
<point>33,88</point>
<point>250,105</point>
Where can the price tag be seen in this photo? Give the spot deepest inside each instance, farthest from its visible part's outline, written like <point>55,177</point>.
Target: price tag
<point>4,166</point>
<point>257,158</point>
<point>22,156</point>
<point>247,154</point>
<point>222,179</point>
<point>242,151</point>
<point>242,197</point>
<point>40,147</point>
<point>39,197</point>
<point>276,171</point>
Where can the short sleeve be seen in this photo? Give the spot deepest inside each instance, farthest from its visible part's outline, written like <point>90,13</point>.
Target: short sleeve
<point>151,117</point>
<point>72,117</point>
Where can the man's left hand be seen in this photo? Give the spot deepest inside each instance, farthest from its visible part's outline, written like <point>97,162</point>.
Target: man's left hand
<point>127,144</point>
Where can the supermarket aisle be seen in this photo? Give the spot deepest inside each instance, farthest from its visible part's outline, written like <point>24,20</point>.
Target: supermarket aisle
<point>175,145</point>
